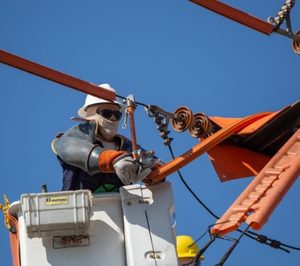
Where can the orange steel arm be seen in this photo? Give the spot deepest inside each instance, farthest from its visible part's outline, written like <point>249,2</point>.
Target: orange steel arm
<point>236,15</point>
<point>233,162</point>
<point>56,76</point>
<point>202,147</point>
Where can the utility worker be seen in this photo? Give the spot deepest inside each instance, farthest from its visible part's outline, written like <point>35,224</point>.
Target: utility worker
<point>92,155</point>
<point>187,250</point>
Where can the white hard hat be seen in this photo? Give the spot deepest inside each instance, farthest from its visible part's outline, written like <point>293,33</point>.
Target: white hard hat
<point>92,100</point>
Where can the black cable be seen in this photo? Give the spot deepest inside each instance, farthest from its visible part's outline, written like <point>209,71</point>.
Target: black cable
<point>272,242</point>
<point>191,191</point>
<point>233,246</point>
<point>291,247</point>
<point>202,250</point>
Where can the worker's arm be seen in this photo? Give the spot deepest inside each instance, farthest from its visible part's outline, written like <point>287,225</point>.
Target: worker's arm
<point>77,147</point>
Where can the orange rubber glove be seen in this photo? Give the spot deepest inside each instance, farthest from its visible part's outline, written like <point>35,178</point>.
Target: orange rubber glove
<point>106,158</point>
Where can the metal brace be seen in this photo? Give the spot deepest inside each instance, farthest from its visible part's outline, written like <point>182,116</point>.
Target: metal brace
<point>130,103</point>
<point>285,16</point>
<point>162,119</point>
<point>4,209</point>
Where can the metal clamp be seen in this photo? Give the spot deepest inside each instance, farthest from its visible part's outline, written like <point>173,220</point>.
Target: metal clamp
<point>284,15</point>
<point>131,106</point>
<point>4,209</point>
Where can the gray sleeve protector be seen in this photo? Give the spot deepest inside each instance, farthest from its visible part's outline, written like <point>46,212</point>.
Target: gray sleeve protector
<point>77,147</point>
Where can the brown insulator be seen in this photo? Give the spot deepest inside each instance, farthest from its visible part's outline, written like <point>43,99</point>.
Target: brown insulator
<point>183,119</point>
<point>201,127</point>
<point>296,44</point>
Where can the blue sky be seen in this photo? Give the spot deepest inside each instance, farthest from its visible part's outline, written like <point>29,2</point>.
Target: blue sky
<point>168,53</point>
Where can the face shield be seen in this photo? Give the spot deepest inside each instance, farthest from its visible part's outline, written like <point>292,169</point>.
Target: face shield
<point>107,117</point>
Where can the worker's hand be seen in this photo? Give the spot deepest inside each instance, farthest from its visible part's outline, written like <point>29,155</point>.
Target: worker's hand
<point>128,170</point>
<point>157,164</point>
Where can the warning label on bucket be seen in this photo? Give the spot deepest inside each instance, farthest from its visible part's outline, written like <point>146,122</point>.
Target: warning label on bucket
<point>57,200</point>
<point>70,241</point>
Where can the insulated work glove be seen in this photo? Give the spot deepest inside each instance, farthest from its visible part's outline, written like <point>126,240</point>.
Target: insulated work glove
<point>106,159</point>
<point>128,170</point>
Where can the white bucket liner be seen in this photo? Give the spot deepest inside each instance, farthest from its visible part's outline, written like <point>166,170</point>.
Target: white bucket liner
<point>149,225</point>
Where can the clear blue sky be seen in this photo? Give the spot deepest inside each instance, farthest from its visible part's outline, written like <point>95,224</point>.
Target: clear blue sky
<point>168,53</point>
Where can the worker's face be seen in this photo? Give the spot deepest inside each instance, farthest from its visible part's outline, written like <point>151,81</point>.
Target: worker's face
<point>107,117</point>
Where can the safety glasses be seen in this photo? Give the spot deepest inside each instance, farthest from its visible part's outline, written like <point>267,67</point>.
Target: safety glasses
<point>107,113</point>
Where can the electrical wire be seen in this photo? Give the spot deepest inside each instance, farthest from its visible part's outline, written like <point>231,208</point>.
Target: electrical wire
<point>191,191</point>
<point>233,246</point>
<point>272,242</point>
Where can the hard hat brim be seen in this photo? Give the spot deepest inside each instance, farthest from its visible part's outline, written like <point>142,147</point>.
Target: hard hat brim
<point>82,111</point>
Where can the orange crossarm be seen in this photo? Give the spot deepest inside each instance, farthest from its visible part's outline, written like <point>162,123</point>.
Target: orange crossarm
<point>236,15</point>
<point>257,202</point>
<point>202,147</point>
<point>56,76</point>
